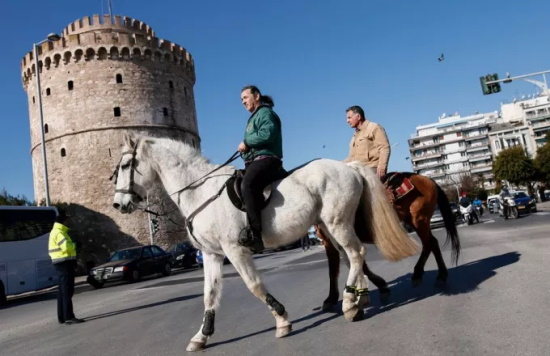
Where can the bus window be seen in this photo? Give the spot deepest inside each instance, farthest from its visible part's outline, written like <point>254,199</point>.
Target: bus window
<point>25,265</point>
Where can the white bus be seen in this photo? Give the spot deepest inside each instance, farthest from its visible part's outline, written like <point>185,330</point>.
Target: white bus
<point>25,265</point>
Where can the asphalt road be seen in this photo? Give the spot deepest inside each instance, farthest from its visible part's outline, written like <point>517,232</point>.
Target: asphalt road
<point>497,302</point>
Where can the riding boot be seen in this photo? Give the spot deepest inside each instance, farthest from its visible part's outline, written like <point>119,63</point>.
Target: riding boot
<point>251,239</point>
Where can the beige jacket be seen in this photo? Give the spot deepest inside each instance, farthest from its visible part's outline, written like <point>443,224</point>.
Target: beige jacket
<point>370,145</point>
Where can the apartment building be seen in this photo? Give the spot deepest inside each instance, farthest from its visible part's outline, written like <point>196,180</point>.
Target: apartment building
<point>454,146</point>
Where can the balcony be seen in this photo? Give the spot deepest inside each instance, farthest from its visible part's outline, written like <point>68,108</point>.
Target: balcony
<point>423,145</point>
<point>476,137</point>
<point>455,160</point>
<point>481,168</point>
<point>426,156</point>
<point>478,147</point>
<point>537,117</point>
<point>480,157</point>
<point>428,165</point>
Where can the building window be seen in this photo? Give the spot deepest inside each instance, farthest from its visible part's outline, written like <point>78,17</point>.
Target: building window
<point>171,84</point>
<point>48,91</point>
<point>465,164</point>
<point>165,111</point>
<point>63,152</point>
<point>33,100</point>
<point>71,85</point>
<point>46,128</point>
<point>117,111</point>
<point>497,145</point>
<point>119,78</point>
<point>459,134</point>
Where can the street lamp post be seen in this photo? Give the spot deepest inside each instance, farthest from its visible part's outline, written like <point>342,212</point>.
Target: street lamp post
<point>51,37</point>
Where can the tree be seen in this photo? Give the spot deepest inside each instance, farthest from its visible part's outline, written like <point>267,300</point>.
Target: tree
<point>8,199</point>
<point>542,162</point>
<point>515,166</point>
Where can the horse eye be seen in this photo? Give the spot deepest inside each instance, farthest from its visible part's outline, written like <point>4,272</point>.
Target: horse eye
<point>125,166</point>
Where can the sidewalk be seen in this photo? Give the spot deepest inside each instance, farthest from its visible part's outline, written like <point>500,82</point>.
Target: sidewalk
<point>543,206</point>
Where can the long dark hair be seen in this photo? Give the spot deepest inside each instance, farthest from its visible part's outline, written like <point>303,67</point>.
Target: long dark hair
<point>264,99</point>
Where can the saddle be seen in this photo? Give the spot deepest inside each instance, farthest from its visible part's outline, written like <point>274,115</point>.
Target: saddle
<point>233,186</point>
<point>397,185</point>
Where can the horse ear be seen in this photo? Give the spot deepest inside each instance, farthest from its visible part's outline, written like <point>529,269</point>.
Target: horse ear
<point>129,140</point>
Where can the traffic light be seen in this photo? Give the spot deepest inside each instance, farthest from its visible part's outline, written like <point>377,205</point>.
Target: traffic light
<point>154,225</point>
<point>489,88</point>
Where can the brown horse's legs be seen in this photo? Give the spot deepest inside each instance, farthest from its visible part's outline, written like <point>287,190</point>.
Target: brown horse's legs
<point>442,276</point>
<point>424,233</point>
<point>333,257</point>
<point>377,281</point>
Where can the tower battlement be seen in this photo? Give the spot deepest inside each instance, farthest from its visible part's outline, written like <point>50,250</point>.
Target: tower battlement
<point>98,38</point>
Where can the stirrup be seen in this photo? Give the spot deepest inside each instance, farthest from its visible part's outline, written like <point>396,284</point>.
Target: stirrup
<point>247,239</point>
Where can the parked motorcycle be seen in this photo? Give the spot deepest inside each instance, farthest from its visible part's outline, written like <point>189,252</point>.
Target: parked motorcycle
<point>507,208</point>
<point>469,214</point>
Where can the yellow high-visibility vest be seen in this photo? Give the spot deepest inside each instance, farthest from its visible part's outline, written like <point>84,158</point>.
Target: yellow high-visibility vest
<point>61,247</point>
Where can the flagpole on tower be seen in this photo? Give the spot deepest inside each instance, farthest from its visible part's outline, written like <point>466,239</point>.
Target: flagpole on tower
<point>111,12</point>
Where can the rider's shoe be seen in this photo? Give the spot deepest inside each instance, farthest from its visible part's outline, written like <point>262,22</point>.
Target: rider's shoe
<point>251,239</point>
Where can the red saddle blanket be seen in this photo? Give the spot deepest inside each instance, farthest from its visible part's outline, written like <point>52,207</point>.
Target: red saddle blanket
<point>397,185</point>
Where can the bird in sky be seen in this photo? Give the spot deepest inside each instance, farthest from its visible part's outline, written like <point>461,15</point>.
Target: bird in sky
<point>441,58</point>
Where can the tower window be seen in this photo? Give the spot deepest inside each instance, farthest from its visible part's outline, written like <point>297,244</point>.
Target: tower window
<point>33,100</point>
<point>71,85</point>
<point>63,152</point>
<point>171,84</point>
<point>48,91</point>
<point>119,78</point>
<point>185,92</point>
<point>117,111</point>
<point>165,111</point>
<point>46,128</point>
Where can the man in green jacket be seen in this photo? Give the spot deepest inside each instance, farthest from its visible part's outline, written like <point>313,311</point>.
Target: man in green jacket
<point>262,151</point>
<point>63,254</point>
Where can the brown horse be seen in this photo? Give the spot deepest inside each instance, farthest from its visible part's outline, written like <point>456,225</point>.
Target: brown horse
<point>415,209</point>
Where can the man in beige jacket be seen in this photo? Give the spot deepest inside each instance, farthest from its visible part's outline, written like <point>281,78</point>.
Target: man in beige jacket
<point>369,144</point>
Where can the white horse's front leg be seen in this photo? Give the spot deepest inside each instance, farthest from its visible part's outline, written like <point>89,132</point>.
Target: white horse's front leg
<point>213,275</point>
<point>243,263</point>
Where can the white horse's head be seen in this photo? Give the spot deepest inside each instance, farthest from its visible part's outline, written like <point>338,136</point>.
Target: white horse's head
<point>134,175</point>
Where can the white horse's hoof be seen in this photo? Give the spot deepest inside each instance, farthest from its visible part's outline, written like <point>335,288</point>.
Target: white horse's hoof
<point>283,331</point>
<point>354,314</point>
<point>195,346</point>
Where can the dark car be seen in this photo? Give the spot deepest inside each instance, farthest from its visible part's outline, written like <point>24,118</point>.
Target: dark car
<point>524,203</point>
<point>200,262</point>
<point>183,255</point>
<point>455,209</point>
<point>131,265</point>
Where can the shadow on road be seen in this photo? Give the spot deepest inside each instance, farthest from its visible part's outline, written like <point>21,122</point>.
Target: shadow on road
<point>462,279</point>
<point>128,310</point>
<point>292,333</point>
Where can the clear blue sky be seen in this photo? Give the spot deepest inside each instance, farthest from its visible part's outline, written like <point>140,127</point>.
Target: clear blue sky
<point>314,57</point>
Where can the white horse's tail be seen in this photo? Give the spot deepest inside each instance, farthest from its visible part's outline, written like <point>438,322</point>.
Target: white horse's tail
<point>380,218</point>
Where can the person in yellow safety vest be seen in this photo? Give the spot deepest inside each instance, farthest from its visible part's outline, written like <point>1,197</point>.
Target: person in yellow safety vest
<point>63,254</point>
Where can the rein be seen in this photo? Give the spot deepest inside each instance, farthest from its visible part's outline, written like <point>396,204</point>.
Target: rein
<point>189,220</point>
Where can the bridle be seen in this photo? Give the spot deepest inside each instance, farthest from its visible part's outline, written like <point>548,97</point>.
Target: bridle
<point>133,165</point>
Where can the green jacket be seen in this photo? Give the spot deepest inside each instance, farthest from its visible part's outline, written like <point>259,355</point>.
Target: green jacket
<point>263,134</point>
<point>61,247</point>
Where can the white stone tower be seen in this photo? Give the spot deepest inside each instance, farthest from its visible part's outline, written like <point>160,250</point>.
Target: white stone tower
<point>100,79</point>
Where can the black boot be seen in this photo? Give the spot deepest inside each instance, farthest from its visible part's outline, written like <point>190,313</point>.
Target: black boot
<point>251,239</point>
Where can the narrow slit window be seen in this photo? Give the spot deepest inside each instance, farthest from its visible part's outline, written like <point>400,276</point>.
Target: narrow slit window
<point>119,78</point>
<point>48,91</point>
<point>33,100</point>
<point>46,128</point>
<point>63,152</point>
<point>70,85</point>
<point>171,84</point>
<point>165,111</point>
<point>117,111</point>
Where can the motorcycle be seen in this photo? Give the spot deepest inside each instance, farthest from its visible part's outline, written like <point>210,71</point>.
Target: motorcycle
<point>507,208</point>
<point>468,214</point>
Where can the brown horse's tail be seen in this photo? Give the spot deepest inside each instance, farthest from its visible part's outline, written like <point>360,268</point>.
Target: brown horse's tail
<point>450,226</point>
<point>380,218</point>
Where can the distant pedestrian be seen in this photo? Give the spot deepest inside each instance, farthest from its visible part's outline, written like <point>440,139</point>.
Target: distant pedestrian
<point>63,254</point>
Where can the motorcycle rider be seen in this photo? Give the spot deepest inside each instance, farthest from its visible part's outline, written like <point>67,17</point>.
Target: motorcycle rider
<point>465,202</point>
<point>478,205</point>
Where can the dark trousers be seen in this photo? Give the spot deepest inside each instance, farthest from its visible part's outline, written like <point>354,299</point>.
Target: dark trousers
<point>66,273</point>
<point>259,174</point>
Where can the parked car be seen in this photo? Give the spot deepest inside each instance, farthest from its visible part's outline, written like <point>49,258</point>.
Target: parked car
<point>183,255</point>
<point>491,204</point>
<point>437,219</point>
<point>200,262</point>
<point>131,264</point>
<point>524,203</point>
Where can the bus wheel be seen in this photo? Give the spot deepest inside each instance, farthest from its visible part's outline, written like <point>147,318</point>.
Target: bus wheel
<point>2,294</point>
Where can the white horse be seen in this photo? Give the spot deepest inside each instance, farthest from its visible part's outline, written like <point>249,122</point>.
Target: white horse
<point>324,192</point>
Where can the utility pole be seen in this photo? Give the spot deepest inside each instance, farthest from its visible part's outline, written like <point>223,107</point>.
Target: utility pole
<point>491,84</point>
